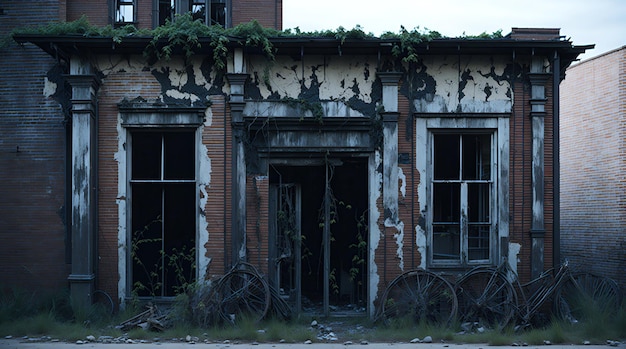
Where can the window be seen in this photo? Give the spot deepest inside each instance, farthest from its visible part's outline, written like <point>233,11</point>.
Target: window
<point>124,11</point>
<point>163,211</point>
<point>462,192</point>
<point>211,12</point>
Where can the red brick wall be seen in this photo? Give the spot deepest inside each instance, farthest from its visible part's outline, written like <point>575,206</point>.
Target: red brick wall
<point>114,89</point>
<point>96,11</point>
<point>593,163</point>
<point>32,158</point>
<point>218,140</point>
<point>267,12</point>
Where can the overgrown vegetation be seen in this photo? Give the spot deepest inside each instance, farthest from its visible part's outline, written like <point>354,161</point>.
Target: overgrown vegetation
<point>185,36</point>
<point>37,315</point>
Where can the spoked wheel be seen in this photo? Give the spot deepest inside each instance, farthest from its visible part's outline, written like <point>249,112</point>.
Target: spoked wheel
<point>243,294</point>
<point>420,296</point>
<point>487,297</point>
<point>584,294</point>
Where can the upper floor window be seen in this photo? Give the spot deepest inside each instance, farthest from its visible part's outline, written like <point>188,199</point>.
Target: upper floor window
<point>124,11</point>
<point>211,12</point>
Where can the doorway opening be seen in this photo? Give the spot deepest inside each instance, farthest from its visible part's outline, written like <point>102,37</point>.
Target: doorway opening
<point>319,235</point>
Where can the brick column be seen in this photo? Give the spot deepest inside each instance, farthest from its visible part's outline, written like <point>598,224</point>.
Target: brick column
<point>85,85</point>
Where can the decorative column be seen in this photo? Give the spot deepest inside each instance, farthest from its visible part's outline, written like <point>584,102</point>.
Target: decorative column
<point>538,78</point>
<point>390,147</point>
<point>237,81</point>
<point>85,85</point>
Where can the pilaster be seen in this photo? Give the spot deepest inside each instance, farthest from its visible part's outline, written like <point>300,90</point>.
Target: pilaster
<point>538,78</point>
<point>390,115</point>
<point>84,85</point>
<point>237,104</point>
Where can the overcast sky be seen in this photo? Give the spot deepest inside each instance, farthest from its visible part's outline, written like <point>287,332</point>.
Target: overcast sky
<point>599,22</point>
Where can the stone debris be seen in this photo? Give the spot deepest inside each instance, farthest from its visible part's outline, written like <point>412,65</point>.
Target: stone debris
<point>308,341</point>
<point>415,340</point>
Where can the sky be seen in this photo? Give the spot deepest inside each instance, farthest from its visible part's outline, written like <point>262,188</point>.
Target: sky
<point>584,22</point>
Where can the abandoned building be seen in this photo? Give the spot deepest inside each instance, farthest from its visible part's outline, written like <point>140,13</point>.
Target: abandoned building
<point>332,167</point>
<point>593,161</point>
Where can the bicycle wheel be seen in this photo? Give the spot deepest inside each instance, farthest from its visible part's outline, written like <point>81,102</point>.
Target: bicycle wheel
<point>420,296</point>
<point>243,294</point>
<point>487,297</point>
<point>584,294</point>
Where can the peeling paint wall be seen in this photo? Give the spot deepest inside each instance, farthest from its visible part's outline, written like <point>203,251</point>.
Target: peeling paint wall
<point>463,84</point>
<point>375,186</point>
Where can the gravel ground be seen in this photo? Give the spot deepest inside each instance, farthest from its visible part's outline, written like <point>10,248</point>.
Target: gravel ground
<point>48,343</point>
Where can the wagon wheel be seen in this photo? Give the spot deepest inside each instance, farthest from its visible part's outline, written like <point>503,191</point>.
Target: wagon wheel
<point>486,296</point>
<point>584,294</point>
<point>420,296</point>
<point>243,294</point>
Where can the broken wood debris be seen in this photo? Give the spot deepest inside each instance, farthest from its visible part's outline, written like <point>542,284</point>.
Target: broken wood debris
<point>150,319</point>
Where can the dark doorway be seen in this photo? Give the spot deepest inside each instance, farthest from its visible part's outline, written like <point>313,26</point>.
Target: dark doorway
<point>344,271</point>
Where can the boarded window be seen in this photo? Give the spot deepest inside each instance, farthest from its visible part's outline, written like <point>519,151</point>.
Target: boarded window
<point>462,202</point>
<point>163,211</point>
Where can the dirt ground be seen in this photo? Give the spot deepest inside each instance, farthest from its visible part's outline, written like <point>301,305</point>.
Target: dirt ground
<point>22,343</point>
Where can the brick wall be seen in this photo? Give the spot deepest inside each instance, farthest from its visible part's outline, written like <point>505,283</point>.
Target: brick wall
<point>32,154</point>
<point>267,12</point>
<point>593,161</point>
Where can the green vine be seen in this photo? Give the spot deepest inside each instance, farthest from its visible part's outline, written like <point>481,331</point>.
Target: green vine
<point>305,105</point>
<point>185,33</point>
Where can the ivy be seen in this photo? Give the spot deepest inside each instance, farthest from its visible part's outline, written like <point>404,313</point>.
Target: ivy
<point>186,34</point>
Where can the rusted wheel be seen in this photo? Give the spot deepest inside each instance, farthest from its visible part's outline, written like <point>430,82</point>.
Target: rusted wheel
<point>486,296</point>
<point>584,294</point>
<point>420,296</point>
<point>243,294</point>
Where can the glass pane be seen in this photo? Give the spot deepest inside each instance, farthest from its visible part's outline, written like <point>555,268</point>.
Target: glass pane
<point>166,10</point>
<point>198,11</point>
<point>124,12</point>
<point>478,242</point>
<point>146,239</point>
<point>478,202</point>
<point>477,156</point>
<point>446,202</point>
<point>446,156</point>
<point>179,155</point>
<point>146,155</point>
<point>179,236</point>
<point>218,12</point>
<point>446,242</point>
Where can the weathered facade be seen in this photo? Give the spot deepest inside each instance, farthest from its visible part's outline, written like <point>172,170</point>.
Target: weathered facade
<point>332,167</point>
<point>593,160</point>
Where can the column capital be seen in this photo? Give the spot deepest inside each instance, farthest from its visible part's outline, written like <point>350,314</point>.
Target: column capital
<point>389,78</point>
<point>237,78</point>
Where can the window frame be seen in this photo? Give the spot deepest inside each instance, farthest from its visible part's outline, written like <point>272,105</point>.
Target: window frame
<point>137,115</point>
<point>161,183</point>
<point>464,183</point>
<point>185,6</point>
<point>116,8</point>
<point>427,125</point>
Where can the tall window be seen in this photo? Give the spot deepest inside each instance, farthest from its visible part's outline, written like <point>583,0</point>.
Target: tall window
<point>462,190</point>
<point>124,11</point>
<point>211,12</point>
<point>163,211</point>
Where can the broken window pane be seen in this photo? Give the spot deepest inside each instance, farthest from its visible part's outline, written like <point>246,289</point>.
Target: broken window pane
<point>477,156</point>
<point>478,242</point>
<point>446,156</point>
<point>446,241</point>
